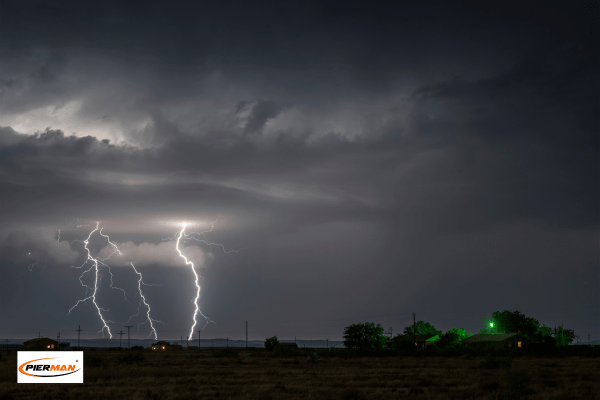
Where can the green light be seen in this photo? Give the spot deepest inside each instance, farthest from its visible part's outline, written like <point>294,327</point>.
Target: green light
<point>492,324</point>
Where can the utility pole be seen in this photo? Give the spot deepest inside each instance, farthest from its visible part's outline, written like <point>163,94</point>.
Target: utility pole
<point>247,334</point>
<point>120,337</point>
<point>58,341</point>
<point>227,342</point>
<point>128,342</point>
<point>388,333</point>
<point>327,342</point>
<point>187,342</point>
<point>199,332</point>
<point>414,329</point>
<point>589,338</point>
<point>78,336</point>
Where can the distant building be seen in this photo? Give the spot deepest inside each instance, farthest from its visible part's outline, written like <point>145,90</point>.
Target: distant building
<point>420,341</point>
<point>161,345</point>
<point>40,344</point>
<point>432,339</point>
<point>499,340</point>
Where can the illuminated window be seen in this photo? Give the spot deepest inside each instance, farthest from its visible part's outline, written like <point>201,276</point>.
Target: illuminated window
<point>52,346</point>
<point>518,344</point>
<point>48,346</point>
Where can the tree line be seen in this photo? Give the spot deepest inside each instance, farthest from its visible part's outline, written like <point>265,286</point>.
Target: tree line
<point>370,336</point>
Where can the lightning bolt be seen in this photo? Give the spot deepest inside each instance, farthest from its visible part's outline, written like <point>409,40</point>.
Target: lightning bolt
<point>181,235</point>
<point>96,262</point>
<point>143,299</point>
<point>109,270</point>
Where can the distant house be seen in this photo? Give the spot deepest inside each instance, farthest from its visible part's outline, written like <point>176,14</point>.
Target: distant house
<point>432,339</point>
<point>420,341</point>
<point>40,344</point>
<point>161,345</point>
<point>499,340</point>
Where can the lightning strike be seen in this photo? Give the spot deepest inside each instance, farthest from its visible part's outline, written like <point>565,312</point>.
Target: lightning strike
<point>181,235</point>
<point>96,262</point>
<point>143,299</point>
<point>197,310</point>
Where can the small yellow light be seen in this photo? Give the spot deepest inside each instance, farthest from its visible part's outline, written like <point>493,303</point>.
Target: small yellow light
<point>48,346</point>
<point>163,347</point>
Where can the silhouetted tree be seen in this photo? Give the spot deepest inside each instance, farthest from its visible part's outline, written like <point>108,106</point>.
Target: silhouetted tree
<point>422,328</point>
<point>402,342</point>
<point>512,322</point>
<point>364,336</point>
<point>452,338</point>
<point>270,343</point>
<point>564,337</point>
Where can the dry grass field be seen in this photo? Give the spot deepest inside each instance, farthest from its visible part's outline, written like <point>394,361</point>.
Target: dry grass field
<point>181,375</point>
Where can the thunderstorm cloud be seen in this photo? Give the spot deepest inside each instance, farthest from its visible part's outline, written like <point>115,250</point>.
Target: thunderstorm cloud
<point>161,254</point>
<point>371,160</point>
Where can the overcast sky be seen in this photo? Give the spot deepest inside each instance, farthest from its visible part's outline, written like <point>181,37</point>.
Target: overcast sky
<point>367,160</point>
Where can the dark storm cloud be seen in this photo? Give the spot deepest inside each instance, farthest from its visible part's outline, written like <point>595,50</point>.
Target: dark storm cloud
<point>260,112</point>
<point>367,151</point>
<point>36,248</point>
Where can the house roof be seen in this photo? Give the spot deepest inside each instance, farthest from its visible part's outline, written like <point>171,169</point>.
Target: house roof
<point>433,338</point>
<point>39,340</point>
<point>498,337</point>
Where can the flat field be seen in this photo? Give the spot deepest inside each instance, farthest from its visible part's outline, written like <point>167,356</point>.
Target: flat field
<point>243,375</point>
